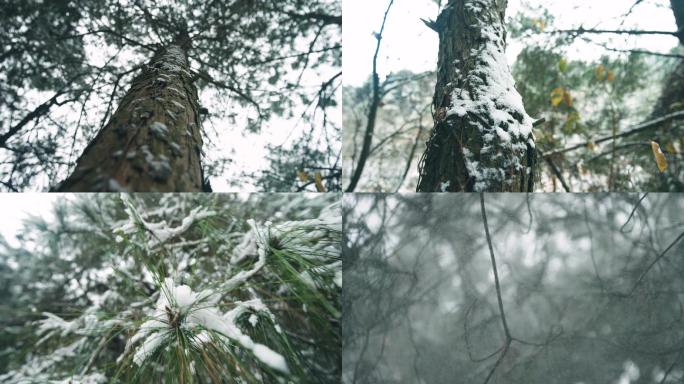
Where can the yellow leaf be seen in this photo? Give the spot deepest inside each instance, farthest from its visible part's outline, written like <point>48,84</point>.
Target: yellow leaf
<point>600,72</point>
<point>303,176</point>
<point>539,23</point>
<point>591,145</point>
<point>319,182</point>
<point>659,156</point>
<point>611,76</point>
<point>557,96</point>
<point>567,98</point>
<point>582,169</point>
<point>563,64</point>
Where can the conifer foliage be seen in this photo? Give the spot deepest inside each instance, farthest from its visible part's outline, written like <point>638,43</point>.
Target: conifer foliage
<point>85,90</point>
<point>174,289</point>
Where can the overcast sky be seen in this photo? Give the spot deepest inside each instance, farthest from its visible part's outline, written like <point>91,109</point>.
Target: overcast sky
<point>409,44</point>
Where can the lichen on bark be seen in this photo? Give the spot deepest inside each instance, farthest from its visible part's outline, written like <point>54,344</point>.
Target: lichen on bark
<point>153,141</point>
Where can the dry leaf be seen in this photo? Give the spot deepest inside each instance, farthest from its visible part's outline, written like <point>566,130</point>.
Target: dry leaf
<point>600,72</point>
<point>672,148</point>
<point>567,98</point>
<point>659,156</point>
<point>319,182</point>
<point>557,96</point>
<point>303,176</point>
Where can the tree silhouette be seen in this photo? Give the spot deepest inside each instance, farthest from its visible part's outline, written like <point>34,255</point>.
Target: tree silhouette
<point>120,79</point>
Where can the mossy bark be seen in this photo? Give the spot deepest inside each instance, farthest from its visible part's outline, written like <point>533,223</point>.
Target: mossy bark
<point>457,145</point>
<point>153,141</point>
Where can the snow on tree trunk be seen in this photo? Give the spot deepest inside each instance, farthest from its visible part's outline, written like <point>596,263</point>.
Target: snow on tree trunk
<point>153,141</point>
<point>482,138</point>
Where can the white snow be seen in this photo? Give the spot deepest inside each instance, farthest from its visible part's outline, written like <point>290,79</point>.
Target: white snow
<point>177,104</point>
<point>253,319</point>
<point>53,323</point>
<point>270,358</point>
<point>148,347</point>
<point>496,100</point>
<point>114,186</point>
<point>160,231</point>
<point>159,129</point>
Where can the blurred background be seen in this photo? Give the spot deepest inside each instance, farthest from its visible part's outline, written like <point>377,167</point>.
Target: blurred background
<point>591,287</point>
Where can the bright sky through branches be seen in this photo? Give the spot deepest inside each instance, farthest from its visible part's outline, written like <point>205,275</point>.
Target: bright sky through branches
<point>409,44</point>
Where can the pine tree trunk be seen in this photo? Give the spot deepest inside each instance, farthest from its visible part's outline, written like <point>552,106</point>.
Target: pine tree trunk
<point>482,137</point>
<point>153,141</point>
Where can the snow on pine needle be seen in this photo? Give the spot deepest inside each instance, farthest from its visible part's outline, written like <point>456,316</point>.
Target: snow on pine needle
<point>186,289</point>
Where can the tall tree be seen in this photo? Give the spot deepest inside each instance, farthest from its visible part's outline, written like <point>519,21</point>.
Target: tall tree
<point>482,137</point>
<point>153,141</point>
<point>69,63</point>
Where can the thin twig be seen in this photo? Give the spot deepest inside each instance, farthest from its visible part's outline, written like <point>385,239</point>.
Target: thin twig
<point>636,129</point>
<point>372,110</point>
<point>507,332</point>
<point>581,30</point>
<point>557,172</point>
<point>650,266</point>
<point>636,206</point>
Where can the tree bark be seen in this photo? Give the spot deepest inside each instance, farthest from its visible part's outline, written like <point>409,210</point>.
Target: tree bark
<point>482,137</point>
<point>153,141</point>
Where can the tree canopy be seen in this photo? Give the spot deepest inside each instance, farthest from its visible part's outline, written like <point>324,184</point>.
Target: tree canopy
<point>607,108</point>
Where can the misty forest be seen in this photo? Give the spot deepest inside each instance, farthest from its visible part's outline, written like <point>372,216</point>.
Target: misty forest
<point>515,289</point>
<point>173,288</point>
<point>535,99</point>
<point>170,95</point>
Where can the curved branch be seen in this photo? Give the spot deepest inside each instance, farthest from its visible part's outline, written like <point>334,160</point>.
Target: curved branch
<point>507,332</point>
<point>654,262</point>
<point>373,109</point>
<point>631,131</point>
<point>581,30</point>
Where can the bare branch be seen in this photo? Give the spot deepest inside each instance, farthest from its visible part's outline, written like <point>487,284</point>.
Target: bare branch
<point>581,30</point>
<point>373,110</point>
<point>507,332</point>
<point>630,131</point>
<point>654,262</point>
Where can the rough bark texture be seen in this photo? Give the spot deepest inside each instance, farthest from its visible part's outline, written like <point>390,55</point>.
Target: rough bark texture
<point>153,141</point>
<point>482,137</point>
